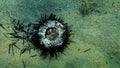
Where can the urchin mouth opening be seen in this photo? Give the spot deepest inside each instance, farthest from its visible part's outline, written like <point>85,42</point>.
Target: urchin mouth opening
<point>51,33</point>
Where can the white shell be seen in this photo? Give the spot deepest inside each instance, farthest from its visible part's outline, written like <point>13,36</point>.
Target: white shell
<point>42,30</point>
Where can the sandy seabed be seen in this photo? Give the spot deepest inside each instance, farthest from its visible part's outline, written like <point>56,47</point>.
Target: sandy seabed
<point>96,35</point>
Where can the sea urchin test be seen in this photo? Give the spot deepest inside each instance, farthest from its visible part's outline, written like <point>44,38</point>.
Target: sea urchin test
<point>51,33</point>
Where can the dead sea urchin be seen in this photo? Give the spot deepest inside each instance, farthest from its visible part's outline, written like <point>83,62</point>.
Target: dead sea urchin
<point>51,35</point>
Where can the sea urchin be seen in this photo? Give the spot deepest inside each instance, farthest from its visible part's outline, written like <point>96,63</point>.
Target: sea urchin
<point>51,35</point>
